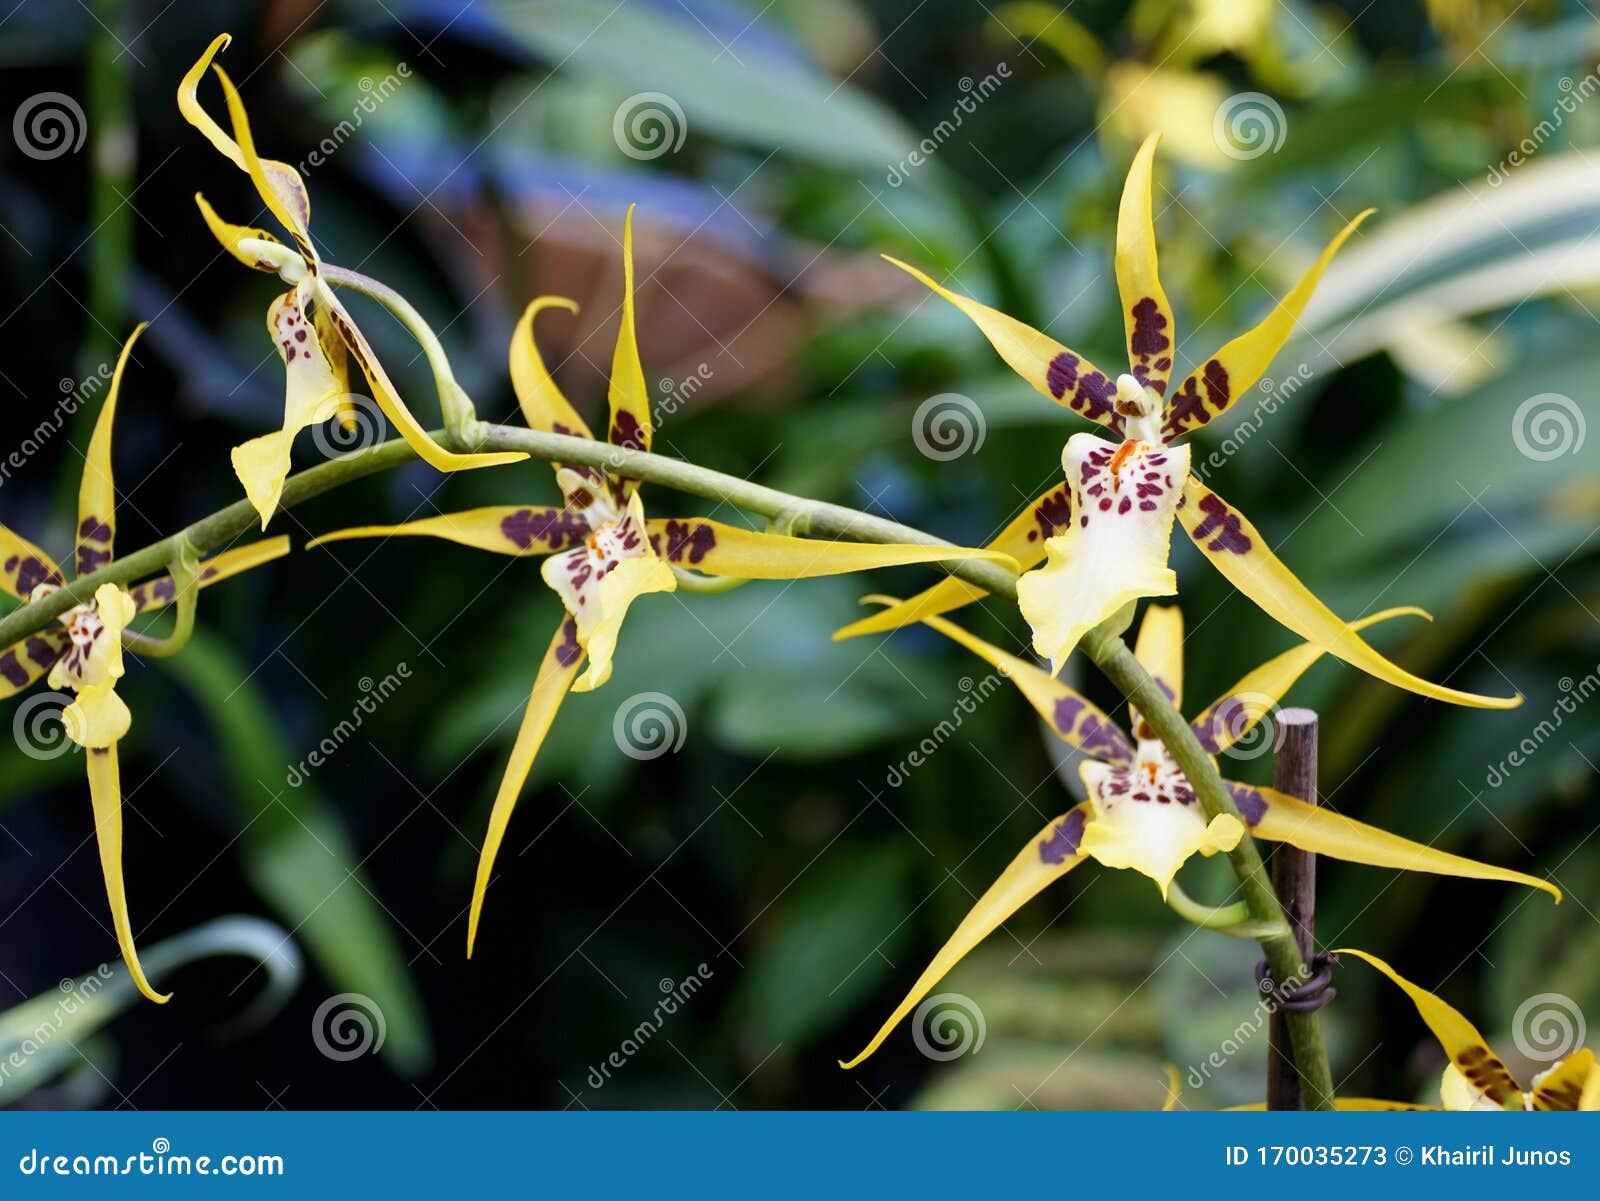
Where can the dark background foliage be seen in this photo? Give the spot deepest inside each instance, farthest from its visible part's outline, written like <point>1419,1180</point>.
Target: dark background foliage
<point>776,847</point>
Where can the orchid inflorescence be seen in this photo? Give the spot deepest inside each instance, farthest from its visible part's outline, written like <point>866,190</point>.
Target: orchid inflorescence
<point>1078,558</point>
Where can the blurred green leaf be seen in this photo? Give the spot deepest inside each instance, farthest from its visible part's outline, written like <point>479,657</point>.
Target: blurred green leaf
<point>298,855</point>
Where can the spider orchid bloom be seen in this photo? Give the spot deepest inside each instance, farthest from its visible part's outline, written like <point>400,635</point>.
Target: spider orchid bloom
<point>85,653</point>
<point>1104,537</point>
<point>1142,812</point>
<point>313,332</point>
<point>604,553</point>
<point>1476,1077</point>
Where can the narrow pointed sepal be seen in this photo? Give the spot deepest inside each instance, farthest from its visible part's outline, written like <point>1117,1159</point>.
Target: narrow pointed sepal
<point>1051,854</point>
<point>1278,817</point>
<point>717,549</point>
<point>550,687</point>
<point>1238,551</point>
<point>1146,313</point>
<point>544,406</point>
<point>503,529</point>
<point>1023,538</point>
<point>97,487</point>
<point>105,793</point>
<point>1228,374</point>
<point>1468,1050</point>
<point>1063,375</point>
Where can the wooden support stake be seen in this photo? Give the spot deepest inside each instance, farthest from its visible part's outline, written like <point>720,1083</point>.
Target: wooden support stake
<point>1294,879</point>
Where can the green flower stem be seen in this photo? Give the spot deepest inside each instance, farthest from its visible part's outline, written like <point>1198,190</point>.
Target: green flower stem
<point>819,518</point>
<point>454,403</point>
<point>1233,920</point>
<point>185,572</point>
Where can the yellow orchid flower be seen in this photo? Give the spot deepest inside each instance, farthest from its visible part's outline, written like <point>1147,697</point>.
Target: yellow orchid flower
<point>85,654</point>
<point>1142,812</point>
<point>311,329</point>
<point>1476,1078</point>
<point>604,553</point>
<point>1104,537</point>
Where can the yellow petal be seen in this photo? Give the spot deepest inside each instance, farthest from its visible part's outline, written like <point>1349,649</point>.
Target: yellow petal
<point>105,793</point>
<point>1224,377</point>
<point>252,246</point>
<point>97,717</point>
<point>97,489</point>
<point>1590,1098</point>
<point>1023,539</point>
<point>1282,818</point>
<point>1051,854</point>
<point>598,581</point>
<point>550,688</point>
<point>25,662</point>
<point>311,397</point>
<point>23,566</point>
<point>1240,554</point>
<point>383,391</point>
<point>1114,551</point>
<point>1467,1050</point>
<point>1063,375</point>
<point>504,529</point>
<point>717,549</point>
<point>1150,822</point>
<point>1235,713</point>
<point>544,406</point>
<point>630,401</point>
<point>159,592</point>
<point>1560,1086</point>
<point>278,184</point>
<point>1159,648</point>
<point>1077,720</point>
<point>1146,314</point>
